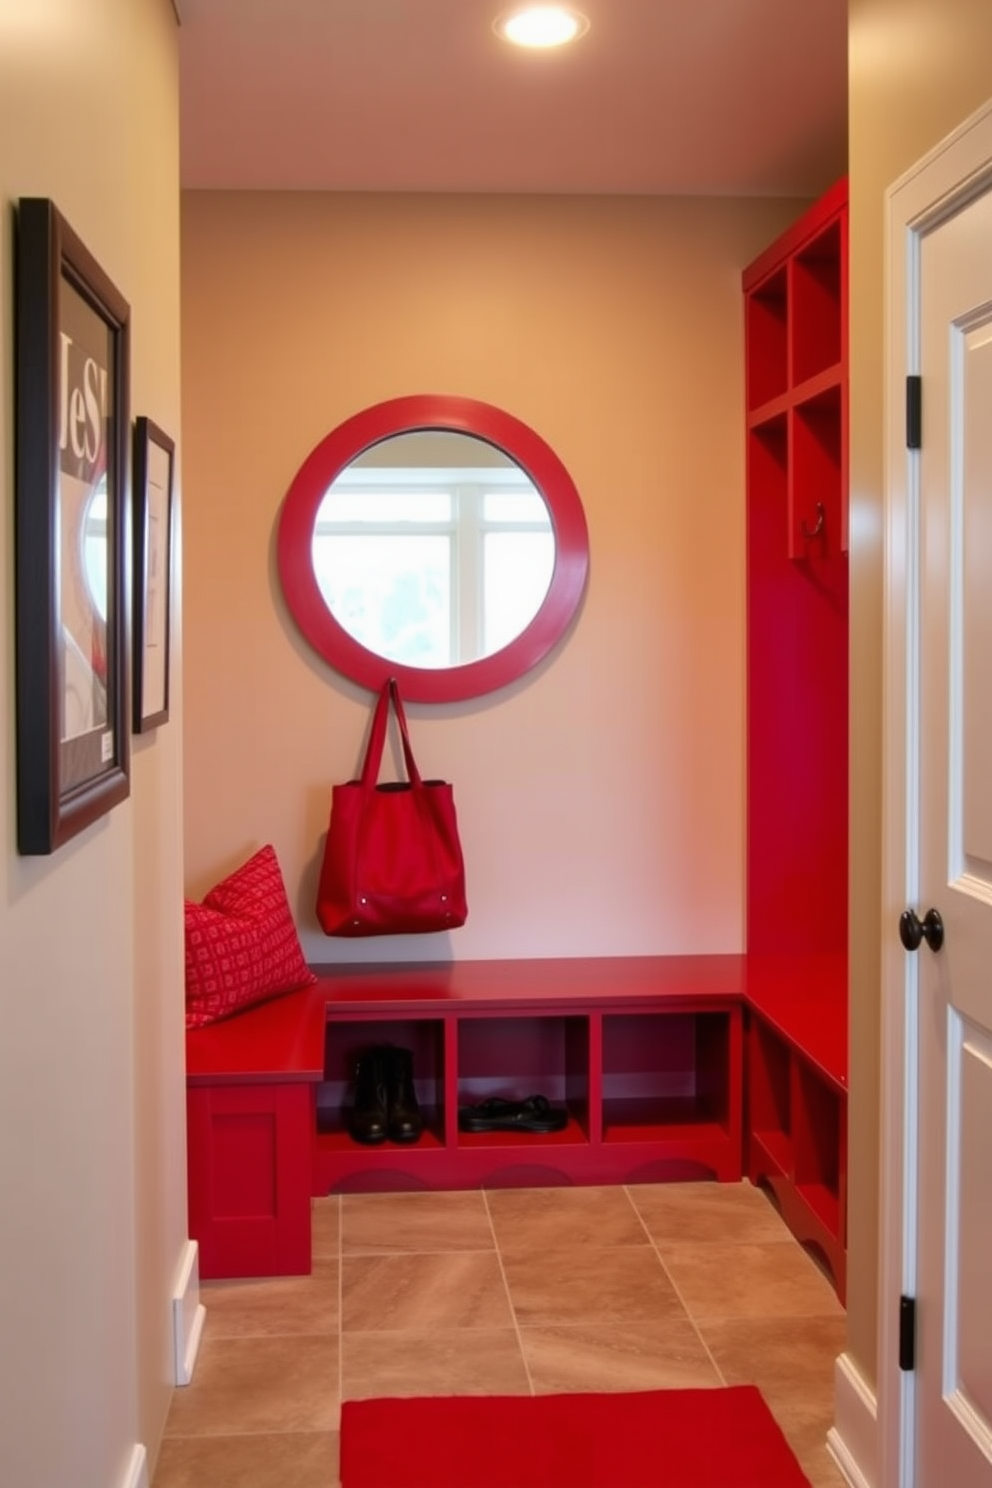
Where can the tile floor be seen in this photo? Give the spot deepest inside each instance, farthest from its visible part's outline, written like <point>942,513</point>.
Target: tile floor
<point>499,1292</point>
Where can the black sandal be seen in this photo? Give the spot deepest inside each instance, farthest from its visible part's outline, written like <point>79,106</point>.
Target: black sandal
<point>536,1114</point>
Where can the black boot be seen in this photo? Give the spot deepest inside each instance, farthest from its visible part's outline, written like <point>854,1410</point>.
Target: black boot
<point>405,1123</point>
<point>367,1122</point>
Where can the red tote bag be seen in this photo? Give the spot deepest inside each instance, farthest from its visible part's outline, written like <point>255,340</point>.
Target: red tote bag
<point>393,859</point>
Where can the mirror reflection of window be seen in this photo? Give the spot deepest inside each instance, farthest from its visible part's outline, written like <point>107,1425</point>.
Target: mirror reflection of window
<point>519,559</point>
<point>433,549</point>
<point>83,605</point>
<point>95,542</point>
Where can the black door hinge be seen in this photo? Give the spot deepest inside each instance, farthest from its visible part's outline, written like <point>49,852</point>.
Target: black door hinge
<point>907,1334</point>
<point>914,412</point>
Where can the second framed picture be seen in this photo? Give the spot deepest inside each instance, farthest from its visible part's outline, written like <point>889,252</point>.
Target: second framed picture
<point>154,464</point>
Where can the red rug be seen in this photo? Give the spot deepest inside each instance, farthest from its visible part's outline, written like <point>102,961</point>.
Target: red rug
<point>720,1438</point>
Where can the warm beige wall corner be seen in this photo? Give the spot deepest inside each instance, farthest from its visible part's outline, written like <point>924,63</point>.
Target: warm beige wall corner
<point>92,1172</point>
<point>601,799</point>
<point>917,69</point>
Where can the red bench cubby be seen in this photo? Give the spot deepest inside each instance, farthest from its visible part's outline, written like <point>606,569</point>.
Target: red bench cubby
<point>796,1096</point>
<point>646,1053</point>
<point>249,1125</point>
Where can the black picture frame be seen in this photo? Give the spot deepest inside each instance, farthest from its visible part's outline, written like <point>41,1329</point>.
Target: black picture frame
<point>71,542</point>
<point>154,476</point>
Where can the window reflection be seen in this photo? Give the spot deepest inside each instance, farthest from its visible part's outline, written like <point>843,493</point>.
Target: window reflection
<point>433,549</point>
<point>95,542</point>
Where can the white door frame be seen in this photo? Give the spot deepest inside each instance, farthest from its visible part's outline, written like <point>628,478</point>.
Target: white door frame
<point>958,170</point>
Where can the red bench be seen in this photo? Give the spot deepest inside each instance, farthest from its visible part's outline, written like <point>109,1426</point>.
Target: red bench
<point>647,1054</point>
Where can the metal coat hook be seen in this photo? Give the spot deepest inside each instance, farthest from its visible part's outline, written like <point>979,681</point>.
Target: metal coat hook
<point>810,532</point>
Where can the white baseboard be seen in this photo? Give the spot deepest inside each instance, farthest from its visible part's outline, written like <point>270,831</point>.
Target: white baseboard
<point>188,1314</point>
<point>136,1475</point>
<point>853,1439</point>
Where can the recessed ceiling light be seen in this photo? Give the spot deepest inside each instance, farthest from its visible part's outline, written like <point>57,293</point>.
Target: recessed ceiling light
<point>541,25</point>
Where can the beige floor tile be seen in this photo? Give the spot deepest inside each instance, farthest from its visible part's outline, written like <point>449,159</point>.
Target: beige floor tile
<point>735,1281</point>
<point>618,1356</point>
<point>791,1360</point>
<point>421,1293</point>
<point>325,1228</point>
<point>424,1310</point>
<point>405,1222</point>
<point>461,1361</point>
<point>272,1305</point>
<point>305,1460</point>
<point>259,1385</point>
<point>626,1284</point>
<point>536,1219</point>
<point>784,1357</point>
<point>700,1213</point>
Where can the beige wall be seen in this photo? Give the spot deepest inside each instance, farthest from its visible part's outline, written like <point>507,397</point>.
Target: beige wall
<point>917,68</point>
<point>601,798</point>
<point>92,1185</point>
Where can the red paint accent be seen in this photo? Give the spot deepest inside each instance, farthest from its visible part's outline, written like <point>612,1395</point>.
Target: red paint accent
<point>693,1438</point>
<point>796,320</point>
<point>282,1042</point>
<point>796,1130</point>
<point>249,1177</point>
<point>797,591</point>
<point>803,1000</point>
<point>402,415</point>
<point>646,1053</point>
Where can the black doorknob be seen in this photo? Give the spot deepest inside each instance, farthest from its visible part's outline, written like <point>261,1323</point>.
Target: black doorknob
<point>912,930</point>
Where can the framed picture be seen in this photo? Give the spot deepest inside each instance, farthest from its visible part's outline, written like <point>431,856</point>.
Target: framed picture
<point>154,458</point>
<point>72,555</point>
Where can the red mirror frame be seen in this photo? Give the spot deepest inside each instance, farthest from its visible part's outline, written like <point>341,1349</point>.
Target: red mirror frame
<point>403,416</point>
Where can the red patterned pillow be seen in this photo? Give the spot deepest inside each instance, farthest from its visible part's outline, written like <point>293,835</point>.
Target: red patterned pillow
<point>241,943</point>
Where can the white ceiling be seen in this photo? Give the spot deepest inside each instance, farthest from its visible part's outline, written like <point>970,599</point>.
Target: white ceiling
<point>661,96</point>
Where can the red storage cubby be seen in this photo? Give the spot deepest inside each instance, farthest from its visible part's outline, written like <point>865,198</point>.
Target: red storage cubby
<point>671,1077</point>
<point>517,1057</point>
<point>818,310</point>
<point>343,1047</point>
<point>797,725</point>
<point>644,1053</point>
<point>817,1146</point>
<point>817,485</point>
<point>769,1102</point>
<point>767,336</point>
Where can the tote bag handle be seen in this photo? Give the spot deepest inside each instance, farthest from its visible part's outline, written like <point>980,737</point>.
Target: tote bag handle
<point>377,737</point>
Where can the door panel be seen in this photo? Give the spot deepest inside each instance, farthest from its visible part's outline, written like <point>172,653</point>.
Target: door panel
<point>969,1357</point>
<point>972,360</point>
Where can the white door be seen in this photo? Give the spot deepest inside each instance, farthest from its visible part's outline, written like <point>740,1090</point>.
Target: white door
<point>954,1286</point>
<point>943,576</point>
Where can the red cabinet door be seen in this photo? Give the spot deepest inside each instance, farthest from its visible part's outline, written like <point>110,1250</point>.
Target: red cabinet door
<point>249,1166</point>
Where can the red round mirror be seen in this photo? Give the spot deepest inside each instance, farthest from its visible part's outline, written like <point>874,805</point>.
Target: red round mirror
<point>434,539</point>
